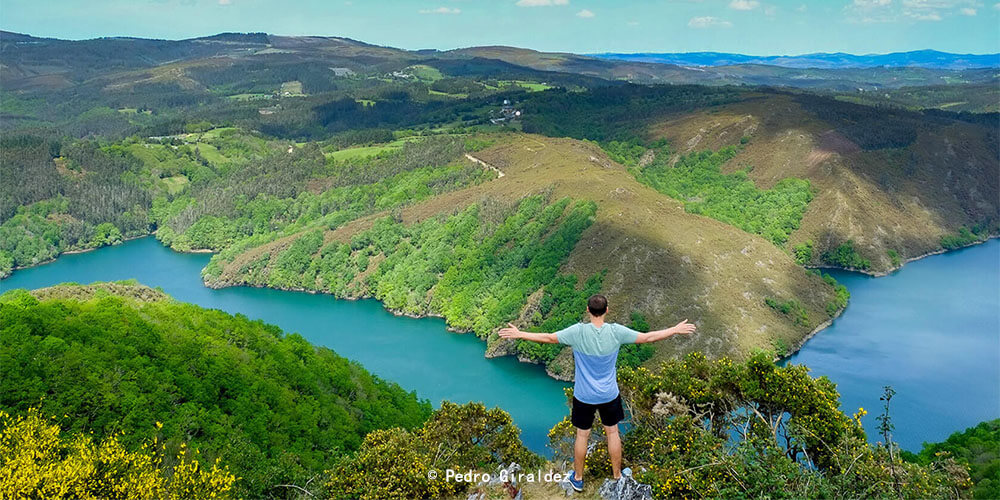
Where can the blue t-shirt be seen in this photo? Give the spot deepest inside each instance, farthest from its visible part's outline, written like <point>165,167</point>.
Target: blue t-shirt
<point>595,354</point>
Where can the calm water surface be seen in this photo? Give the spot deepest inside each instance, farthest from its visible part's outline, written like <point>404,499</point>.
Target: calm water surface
<point>932,331</point>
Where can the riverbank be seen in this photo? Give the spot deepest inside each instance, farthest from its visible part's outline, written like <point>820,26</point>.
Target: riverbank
<point>77,251</point>
<point>73,252</point>
<point>826,324</point>
<point>562,374</point>
<point>879,274</point>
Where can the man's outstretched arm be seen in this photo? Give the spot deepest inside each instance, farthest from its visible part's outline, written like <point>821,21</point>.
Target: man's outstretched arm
<point>511,332</point>
<point>682,328</point>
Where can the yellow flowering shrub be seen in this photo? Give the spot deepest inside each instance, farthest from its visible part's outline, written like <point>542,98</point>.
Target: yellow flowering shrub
<point>396,463</point>
<point>37,462</point>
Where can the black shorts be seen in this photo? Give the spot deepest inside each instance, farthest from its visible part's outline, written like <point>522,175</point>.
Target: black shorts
<point>583,413</point>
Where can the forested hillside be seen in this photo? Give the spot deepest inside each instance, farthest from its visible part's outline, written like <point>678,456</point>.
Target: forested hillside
<point>562,222</point>
<point>110,358</point>
<point>889,185</point>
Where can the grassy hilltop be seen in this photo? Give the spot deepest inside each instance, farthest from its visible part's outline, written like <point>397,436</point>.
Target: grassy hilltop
<point>651,256</point>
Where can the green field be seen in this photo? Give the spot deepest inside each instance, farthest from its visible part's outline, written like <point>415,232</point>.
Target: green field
<point>292,89</point>
<point>424,72</point>
<point>354,153</point>
<point>175,184</point>
<point>530,86</point>
<point>249,97</point>
<point>456,96</point>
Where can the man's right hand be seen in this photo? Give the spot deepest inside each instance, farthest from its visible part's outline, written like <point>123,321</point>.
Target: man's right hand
<point>683,328</point>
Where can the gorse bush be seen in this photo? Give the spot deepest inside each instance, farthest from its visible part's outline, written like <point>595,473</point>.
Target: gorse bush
<point>37,461</point>
<point>394,463</point>
<point>719,429</point>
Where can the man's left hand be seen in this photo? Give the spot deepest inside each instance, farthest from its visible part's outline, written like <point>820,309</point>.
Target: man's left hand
<point>511,332</point>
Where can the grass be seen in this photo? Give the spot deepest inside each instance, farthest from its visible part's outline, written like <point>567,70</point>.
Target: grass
<point>457,96</point>
<point>292,88</point>
<point>425,73</point>
<point>211,153</point>
<point>175,184</point>
<point>249,97</point>
<point>369,151</point>
<point>529,85</point>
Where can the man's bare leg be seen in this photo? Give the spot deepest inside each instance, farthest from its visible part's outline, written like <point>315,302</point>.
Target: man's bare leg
<point>614,450</point>
<point>580,451</point>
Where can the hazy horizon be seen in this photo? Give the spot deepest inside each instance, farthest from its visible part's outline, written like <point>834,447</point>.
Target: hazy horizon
<point>371,42</point>
<point>748,27</point>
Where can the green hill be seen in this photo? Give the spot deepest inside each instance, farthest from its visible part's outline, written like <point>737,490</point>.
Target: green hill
<point>118,357</point>
<point>890,185</point>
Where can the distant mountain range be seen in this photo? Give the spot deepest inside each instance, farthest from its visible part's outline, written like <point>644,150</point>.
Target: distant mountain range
<point>916,58</point>
<point>102,64</point>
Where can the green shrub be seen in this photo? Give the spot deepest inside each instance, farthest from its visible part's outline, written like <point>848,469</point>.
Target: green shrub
<point>845,256</point>
<point>697,180</point>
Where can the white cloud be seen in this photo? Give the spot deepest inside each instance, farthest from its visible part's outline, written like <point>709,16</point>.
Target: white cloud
<point>923,16</point>
<point>996,6</point>
<point>633,23</point>
<point>709,22</point>
<point>440,10</point>
<point>585,13</point>
<point>770,10</point>
<point>744,4</point>
<point>225,2</point>
<point>935,10</point>
<point>541,3</point>
<point>802,8</point>
<point>870,11</point>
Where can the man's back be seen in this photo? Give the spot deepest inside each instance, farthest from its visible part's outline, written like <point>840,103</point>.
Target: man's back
<point>595,354</point>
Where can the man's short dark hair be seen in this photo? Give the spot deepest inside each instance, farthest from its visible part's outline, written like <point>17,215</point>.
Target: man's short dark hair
<point>597,305</point>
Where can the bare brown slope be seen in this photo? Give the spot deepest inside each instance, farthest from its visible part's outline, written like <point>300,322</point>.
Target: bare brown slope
<point>661,261</point>
<point>894,198</point>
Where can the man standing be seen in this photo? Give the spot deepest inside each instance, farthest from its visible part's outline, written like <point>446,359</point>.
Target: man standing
<point>595,355</point>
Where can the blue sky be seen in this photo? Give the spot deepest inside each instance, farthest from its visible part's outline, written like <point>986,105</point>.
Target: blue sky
<point>758,27</point>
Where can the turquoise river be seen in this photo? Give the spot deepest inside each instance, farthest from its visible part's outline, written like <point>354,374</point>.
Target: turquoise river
<point>931,330</point>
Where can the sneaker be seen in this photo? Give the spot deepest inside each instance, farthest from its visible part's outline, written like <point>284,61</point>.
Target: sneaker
<point>573,481</point>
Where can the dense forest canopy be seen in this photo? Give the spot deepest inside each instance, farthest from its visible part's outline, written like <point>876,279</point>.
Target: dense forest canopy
<point>122,358</point>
